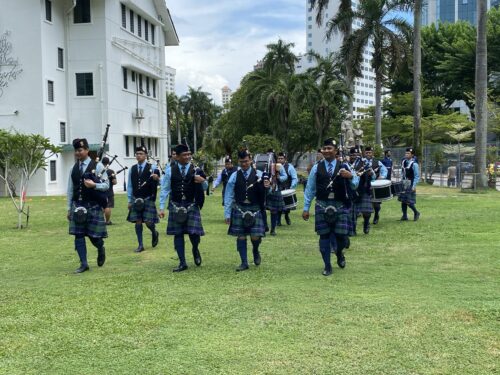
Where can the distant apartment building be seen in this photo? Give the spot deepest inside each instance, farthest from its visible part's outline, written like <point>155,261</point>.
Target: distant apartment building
<point>451,10</point>
<point>170,80</point>
<point>226,97</point>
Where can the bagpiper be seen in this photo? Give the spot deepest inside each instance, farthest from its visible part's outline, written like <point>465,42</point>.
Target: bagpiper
<point>411,177</point>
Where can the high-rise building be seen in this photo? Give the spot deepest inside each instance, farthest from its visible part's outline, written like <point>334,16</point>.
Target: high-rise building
<point>68,68</point>
<point>170,79</point>
<point>364,86</point>
<point>451,11</point>
<point>226,96</point>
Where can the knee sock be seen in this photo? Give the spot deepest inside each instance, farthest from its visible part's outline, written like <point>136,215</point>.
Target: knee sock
<point>195,241</point>
<point>241,245</point>
<point>81,249</point>
<point>333,242</point>
<point>366,219</point>
<point>324,248</point>
<point>377,208</point>
<point>274,220</point>
<point>151,227</point>
<point>341,244</point>
<point>413,208</point>
<point>404,208</point>
<point>255,245</point>
<point>279,216</point>
<point>97,242</point>
<point>138,232</point>
<point>179,247</point>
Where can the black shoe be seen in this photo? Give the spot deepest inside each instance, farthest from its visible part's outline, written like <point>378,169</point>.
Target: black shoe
<point>242,267</point>
<point>348,244</point>
<point>288,221</point>
<point>180,268</point>
<point>327,272</point>
<point>156,238</point>
<point>197,257</point>
<point>82,268</point>
<point>101,256</point>
<point>256,258</point>
<point>341,260</point>
<point>279,224</point>
<point>273,233</point>
<point>140,249</point>
<point>416,216</point>
<point>109,223</point>
<point>366,229</point>
<point>404,218</point>
<point>375,220</point>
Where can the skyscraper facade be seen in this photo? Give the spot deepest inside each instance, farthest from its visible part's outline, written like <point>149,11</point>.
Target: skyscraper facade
<point>451,11</point>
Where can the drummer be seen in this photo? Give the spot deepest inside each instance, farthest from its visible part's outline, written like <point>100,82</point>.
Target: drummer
<point>290,183</point>
<point>372,169</point>
<point>381,174</point>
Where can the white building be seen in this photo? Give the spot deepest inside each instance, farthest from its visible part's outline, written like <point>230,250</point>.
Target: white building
<point>170,79</point>
<point>226,96</point>
<point>71,67</point>
<point>364,87</point>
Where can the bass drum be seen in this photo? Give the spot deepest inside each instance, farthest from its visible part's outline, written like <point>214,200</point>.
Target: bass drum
<point>381,190</point>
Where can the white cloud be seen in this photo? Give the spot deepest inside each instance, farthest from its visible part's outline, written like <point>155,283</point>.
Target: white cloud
<point>221,41</point>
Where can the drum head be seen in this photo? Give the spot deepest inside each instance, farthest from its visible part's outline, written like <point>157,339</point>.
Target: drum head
<point>287,192</point>
<point>381,183</point>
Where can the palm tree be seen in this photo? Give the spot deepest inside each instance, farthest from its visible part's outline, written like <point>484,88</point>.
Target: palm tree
<point>341,22</point>
<point>323,89</point>
<point>417,76</point>
<point>280,56</point>
<point>481,111</point>
<point>389,35</point>
<point>174,111</point>
<point>196,103</point>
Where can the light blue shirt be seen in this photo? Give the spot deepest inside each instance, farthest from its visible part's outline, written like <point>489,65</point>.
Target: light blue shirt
<point>310,192</point>
<point>101,186</point>
<point>293,174</point>
<point>382,170</point>
<point>229,195</point>
<point>130,189</point>
<point>166,183</point>
<point>416,173</point>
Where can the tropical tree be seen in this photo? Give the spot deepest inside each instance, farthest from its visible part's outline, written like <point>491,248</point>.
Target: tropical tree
<point>280,57</point>
<point>417,76</point>
<point>197,104</point>
<point>174,113</point>
<point>389,34</point>
<point>481,110</point>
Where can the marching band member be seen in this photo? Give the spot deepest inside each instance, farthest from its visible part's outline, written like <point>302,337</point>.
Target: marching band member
<point>85,209</point>
<point>141,192</point>
<point>329,182</point>
<point>186,185</point>
<point>290,183</point>
<point>387,161</point>
<point>380,173</point>
<point>274,199</point>
<point>243,202</point>
<point>111,193</point>
<point>411,177</point>
<point>223,177</point>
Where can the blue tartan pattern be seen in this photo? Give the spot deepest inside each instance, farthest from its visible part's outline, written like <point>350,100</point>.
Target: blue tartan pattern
<point>342,224</point>
<point>236,228</point>
<point>149,215</point>
<point>191,226</point>
<point>274,201</point>
<point>94,227</point>
<point>364,206</point>
<point>352,218</point>
<point>408,197</point>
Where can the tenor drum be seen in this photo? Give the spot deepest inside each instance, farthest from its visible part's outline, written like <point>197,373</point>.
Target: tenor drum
<point>381,190</point>
<point>397,188</point>
<point>290,199</point>
<point>261,162</point>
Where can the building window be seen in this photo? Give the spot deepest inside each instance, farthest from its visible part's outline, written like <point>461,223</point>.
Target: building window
<point>125,78</point>
<point>127,151</point>
<point>154,88</point>
<point>140,84</point>
<point>139,25</point>
<point>81,13</point>
<point>62,132</point>
<point>147,86</point>
<point>50,91</point>
<point>152,34</point>
<point>131,20</point>
<point>133,76</point>
<point>84,84</point>
<point>48,10</point>
<point>309,27</point>
<point>53,175</point>
<point>146,30</point>
<point>60,58</point>
<point>124,16</point>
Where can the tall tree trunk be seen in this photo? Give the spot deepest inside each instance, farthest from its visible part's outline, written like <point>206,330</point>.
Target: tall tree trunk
<point>195,138</point>
<point>179,140</point>
<point>481,110</point>
<point>417,77</point>
<point>378,108</point>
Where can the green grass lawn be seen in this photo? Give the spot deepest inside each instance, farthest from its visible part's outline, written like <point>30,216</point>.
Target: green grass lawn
<point>415,298</point>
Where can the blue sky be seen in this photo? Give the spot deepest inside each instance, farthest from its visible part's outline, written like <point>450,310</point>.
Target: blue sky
<point>221,40</point>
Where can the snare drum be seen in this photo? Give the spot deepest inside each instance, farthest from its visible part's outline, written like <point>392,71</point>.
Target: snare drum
<point>397,188</point>
<point>290,199</point>
<point>381,190</point>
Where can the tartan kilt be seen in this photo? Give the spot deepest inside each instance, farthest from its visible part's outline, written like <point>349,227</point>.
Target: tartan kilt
<point>191,226</point>
<point>236,228</point>
<point>148,215</point>
<point>343,222</point>
<point>365,204</point>
<point>408,197</point>
<point>353,220</point>
<point>274,201</point>
<point>94,227</point>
